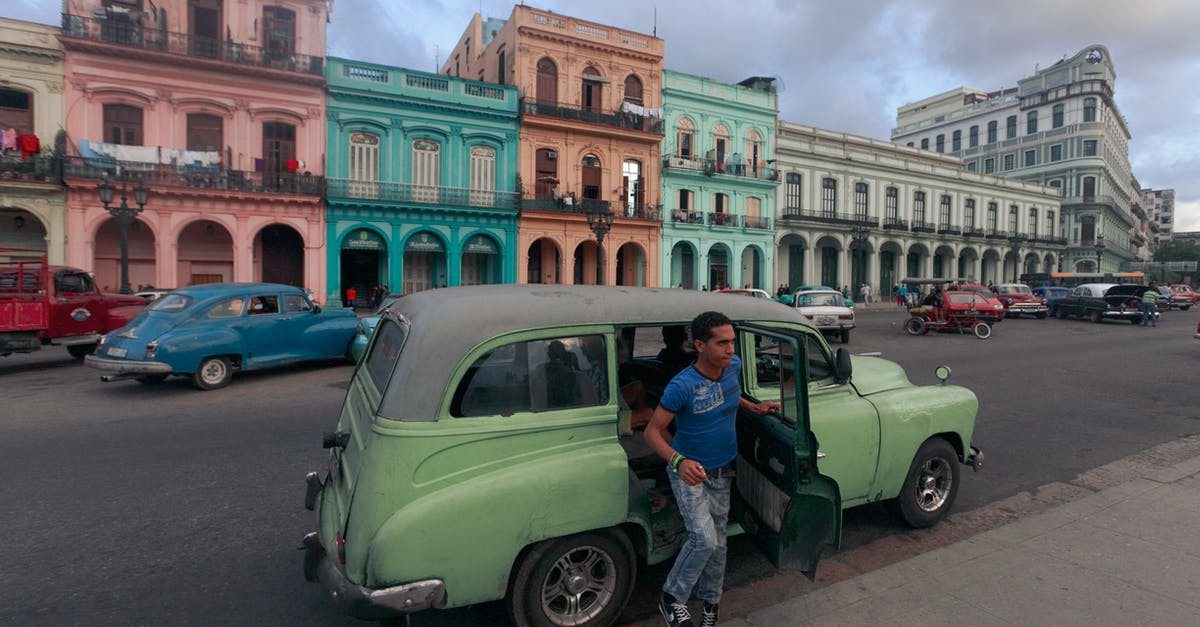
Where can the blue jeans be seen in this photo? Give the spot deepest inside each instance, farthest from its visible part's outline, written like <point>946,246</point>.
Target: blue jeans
<point>705,511</point>
<point>1149,313</point>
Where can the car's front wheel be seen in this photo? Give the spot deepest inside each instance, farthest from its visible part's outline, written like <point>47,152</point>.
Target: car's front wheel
<point>582,579</point>
<point>931,485</point>
<point>1060,313</point>
<point>982,330</point>
<point>1095,316</point>
<point>914,326</point>
<point>213,373</point>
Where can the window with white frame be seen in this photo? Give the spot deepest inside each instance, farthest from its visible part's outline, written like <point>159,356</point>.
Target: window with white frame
<point>793,191</point>
<point>1013,217</point>
<point>1010,161</point>
<point>1049,224</point>
<point>1031,120</point>
<point>1056,116</point>
<point>685,137</point>
<point>1056,152</point>
<point>1089,109</point>
<point>891,204</point>
<point>991,138</point>
<point>969,214</point>
<point>956,141</point>
<point>1033,221</point>
<point>944,218</point>
<point>1089,148</point>
<point>973,137</point>
<point>1010,127</point>
<point>1030,158</point>
<point>860,201</point>
<point>918,208</point>
<point>426,170</point>
<point>753,152</point>
<point>483,176</point>
<point>364,165</point>
<point>828,197</point>
<point>992,209</point>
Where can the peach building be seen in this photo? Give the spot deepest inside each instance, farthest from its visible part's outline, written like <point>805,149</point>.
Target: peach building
<point>591,128</point>
<point>218,109</point>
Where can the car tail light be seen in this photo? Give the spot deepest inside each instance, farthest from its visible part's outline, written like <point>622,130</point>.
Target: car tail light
<point>151,348</point>
<point>845,316</point>
<point>341,548</point>
<point>808,316</point>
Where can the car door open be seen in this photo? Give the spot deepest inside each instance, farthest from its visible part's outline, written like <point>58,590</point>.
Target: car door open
<point>781,499</point>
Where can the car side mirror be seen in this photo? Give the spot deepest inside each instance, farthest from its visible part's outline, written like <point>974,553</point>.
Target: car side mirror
<point>842,368</point>
<point>316,309</point>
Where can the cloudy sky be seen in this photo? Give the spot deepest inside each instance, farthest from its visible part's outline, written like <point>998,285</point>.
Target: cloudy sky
<point>847,65</point>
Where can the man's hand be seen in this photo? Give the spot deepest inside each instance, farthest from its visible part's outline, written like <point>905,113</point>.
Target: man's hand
<point>692,472</point>
<point>765,407</point>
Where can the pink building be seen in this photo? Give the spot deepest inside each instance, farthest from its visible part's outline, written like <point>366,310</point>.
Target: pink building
<point>218,108</point>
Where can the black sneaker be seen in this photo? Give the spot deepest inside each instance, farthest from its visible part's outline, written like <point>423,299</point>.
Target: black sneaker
<point>674,612</point>
<point>709,617</point>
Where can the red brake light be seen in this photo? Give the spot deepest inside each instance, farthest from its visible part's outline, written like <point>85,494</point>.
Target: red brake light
<point>341,548</point>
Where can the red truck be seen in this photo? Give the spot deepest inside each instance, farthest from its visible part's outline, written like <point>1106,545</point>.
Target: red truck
<point>44,305</point>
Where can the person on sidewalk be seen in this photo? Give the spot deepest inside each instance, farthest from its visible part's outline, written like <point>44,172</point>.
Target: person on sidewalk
<point>901,295</point>
<point>703,400</point>
<point>351,296</point>
<point>865,292</point>
<point>1148,306</point>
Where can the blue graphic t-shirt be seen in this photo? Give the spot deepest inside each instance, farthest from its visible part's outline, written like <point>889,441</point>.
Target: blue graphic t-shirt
<point>705,414</point>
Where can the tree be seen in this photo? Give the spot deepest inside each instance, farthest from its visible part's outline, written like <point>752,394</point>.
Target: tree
<point>1178,251</point>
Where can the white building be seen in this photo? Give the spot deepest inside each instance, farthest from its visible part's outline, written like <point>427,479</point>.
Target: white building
<point>1059,127</point>
<point>1159,205</point>
<point>855,210</point>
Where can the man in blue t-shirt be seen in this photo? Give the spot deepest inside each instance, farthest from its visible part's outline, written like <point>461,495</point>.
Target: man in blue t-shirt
<point>703,400</point>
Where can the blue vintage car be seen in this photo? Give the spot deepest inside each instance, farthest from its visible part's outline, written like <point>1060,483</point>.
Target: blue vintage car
<point>366,326</point>
<point>208,332</point>
<point>1051,294</point>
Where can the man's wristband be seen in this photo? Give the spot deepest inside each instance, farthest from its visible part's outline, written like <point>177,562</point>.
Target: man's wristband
<point>676,460</point>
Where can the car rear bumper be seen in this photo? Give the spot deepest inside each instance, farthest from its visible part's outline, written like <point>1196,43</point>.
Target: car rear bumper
<point>367,603</point>
<point>1019,308</point>
<point>120,368</point>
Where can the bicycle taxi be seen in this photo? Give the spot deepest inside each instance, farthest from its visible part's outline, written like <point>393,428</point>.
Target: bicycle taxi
<point>937,307</point>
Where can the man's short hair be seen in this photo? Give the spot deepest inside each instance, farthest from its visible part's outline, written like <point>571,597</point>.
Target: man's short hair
<point>704,323</point>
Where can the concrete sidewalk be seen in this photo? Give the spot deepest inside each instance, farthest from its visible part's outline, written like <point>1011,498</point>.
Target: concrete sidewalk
<point>1128,554</point>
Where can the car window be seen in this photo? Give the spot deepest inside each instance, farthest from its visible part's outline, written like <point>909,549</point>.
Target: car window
<point>389,338</point>
<point>296,303</point>
<point>263,304</point>
<point>534,376</point>
<point>173,302</point>
<point>73,282</point>
<point>819,365</point>
<point>774,371</point>
<point>226,309</point>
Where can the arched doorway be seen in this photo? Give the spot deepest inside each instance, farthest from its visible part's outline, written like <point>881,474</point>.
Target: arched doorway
<point>280,251</point>
<point>631,265</point>
<point>860,261</point>
<point>21,230</point>
<point>481,261</point>
<point>752,268</point>
<point>829,249</point>
<point>718,267</point>
<point>1049,264</point>
<point>683,266</point>
<point>944,263</point>
<point>914,264</point>
<point>141,247</point>
<point>791,257</point>
<point>1085,265</point>
<point>424,262</point>
<point>543,263</point>
<point>364,262</point>
<point>1030,264</point>
<point>586,263</point>
<point>205,254</point>
<point>968,260</point>
<point>989,269</point>
<point>890,273</point>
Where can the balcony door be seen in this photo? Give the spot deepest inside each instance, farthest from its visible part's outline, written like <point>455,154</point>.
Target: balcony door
<point>204,132</point>
<point>593,86</point>
<point>279,147</point>
<point>279,32</point>
<point>591,177</point>
<point>205,27</point>
<point>547,82</point>
<point>547,173</point>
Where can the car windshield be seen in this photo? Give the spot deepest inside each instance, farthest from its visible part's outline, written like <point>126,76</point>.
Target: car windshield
<point>171,303</point>
<point>1012,289</point>
<point>819,300</point>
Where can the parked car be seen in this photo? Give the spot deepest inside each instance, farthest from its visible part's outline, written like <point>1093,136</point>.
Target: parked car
<point>458,474</point>
<point>1102,301</point>
<point>1051,294</point>
<point>208,332</point>
<point>751,292</point>
<point>43,305</point>
<point>790,299</point>
<point>366,326</point>
<point>1019,299</point>
<point>1175,299</point>
<point>1184,290</point>
<point>997,310</point>
<point>825,310</point>
<point>152,294</point>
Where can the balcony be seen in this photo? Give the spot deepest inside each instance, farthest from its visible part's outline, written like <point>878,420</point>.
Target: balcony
<point>921,226</point>
<point>711,167</point>
<point>196,177</point>
<point>615,119</point>
<point>724,219</point>
<point>584,205</point>
<point>133,36</point>
<point>757,222</point>
<point>895,223</point>
<point>947,229</point>
<point>828,217</point>
<point>996,234</point>
<point>972,231</point>
<point>31,169</point>
<point>419,194</point>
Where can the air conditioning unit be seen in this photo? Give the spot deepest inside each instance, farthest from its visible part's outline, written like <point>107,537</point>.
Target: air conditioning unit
<point>552,154</point>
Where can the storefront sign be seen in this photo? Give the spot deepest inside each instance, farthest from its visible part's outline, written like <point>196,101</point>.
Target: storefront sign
<point>424,243</point>
<point>363,239</point>
<point>480,245</point>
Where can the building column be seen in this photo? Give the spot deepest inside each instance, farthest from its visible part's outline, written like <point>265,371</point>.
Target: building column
<point>810,271</point>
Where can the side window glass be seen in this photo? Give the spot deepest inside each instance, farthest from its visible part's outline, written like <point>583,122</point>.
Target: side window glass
<point>263,305</point>
<point>389,338</point>
<point>226,309</point>
<point>535,376</point>
<point>774,366</point>
<point>819,366</point>
<point>70,282</point>
<point>296,303</point>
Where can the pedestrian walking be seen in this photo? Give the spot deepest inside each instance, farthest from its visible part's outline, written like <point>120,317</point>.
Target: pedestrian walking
<point>351,296</point>
<point>901,295</point>
<point>865,291</point>
<point>702,400</point>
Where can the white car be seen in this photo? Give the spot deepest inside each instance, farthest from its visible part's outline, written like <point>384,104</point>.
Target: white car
<point>826,310</point>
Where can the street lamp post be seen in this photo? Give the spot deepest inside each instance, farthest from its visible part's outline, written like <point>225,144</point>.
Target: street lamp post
<point>1099,245</point>
<point>859,241</point>
<point>124,215</point>
<point>600,219</point>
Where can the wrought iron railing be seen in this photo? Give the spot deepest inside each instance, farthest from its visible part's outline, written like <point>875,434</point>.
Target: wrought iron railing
<point>127,33</point>
<point>587,205</point>
<point>618,119</point>
<point>828,217</point>
<point>724,219</point>
<point>196,177</point>
<point>895,223</point>
<point>34,168</point>
<point>712,167</point>
<point>679,216</point>
<point>972,231</point>
<point>996,234</point>
<point>419,194</point>
<point>947,229</point>
<point>758,222</point>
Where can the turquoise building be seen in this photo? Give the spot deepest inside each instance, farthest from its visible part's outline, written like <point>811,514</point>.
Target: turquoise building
<point>422,175</point>
<point>719,182</point>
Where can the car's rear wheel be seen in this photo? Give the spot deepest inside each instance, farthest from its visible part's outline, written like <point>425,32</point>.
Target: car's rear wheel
<point>1060,313</point>
<point>1095,316</point>
<point>845,336</point>
<point>582,579</point>
<point>79,351</point>
<point>151,379</point>
<point>982,330</point>
<point>931,485</point>
<point>914,326</point>
<point>213,373</point>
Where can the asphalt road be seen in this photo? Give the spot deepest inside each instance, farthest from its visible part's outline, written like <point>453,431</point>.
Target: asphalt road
<point>131,504</point>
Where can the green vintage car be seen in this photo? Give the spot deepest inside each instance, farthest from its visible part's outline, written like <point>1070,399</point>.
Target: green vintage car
<point>485,449</point>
